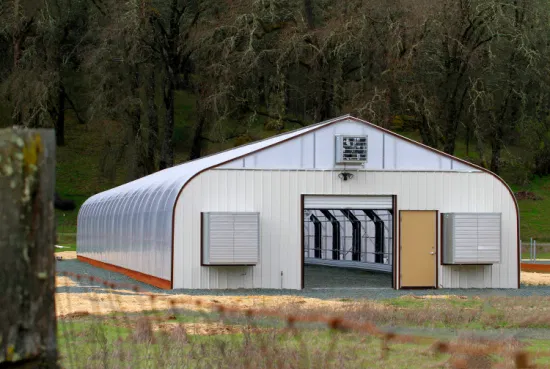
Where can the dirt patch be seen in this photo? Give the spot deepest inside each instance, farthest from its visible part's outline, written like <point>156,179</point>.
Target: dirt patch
<point>527,195</point>
<point>65,255</point>
<point>535,279</point>
<point>99,300</point>
<point>205,329</point>
<point>437,297</point>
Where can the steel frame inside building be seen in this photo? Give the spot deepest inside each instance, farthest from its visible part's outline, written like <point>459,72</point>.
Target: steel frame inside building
<point>349,238</point>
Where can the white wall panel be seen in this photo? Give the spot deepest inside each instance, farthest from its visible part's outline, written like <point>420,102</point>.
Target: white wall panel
<point>348,202</point>
<point>276,195</point>
<point>389,152</point>
<point>288,152</point>
<point>316,150</point>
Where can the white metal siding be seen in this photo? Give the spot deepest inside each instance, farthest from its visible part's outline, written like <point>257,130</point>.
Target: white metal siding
<point>276,195</point>
<point>348,202</point>
<point>317,150</point>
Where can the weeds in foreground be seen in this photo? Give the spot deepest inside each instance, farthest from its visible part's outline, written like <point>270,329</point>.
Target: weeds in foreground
<point>163,333</point>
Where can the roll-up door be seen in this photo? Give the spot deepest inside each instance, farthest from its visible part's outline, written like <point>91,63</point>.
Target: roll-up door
<point>348,202</point>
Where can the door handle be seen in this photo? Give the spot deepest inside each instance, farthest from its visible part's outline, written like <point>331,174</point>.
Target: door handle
<point>432,253</point>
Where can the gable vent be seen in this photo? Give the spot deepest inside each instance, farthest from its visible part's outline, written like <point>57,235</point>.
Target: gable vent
<point>351,149</point>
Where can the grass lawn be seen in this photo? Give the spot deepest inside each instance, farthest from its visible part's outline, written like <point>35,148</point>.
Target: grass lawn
<point>105,345</point>
<point>540,255</point>
<point>197,340</point>
<point>68,240</point>
<point>535,214</point>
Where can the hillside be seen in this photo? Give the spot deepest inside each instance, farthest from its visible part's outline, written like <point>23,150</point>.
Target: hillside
<point>79,174</point>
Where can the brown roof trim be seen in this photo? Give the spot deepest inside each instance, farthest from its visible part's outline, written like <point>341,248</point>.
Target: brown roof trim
<point>337,120</point>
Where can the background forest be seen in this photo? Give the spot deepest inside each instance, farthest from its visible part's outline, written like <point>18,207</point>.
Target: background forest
<point>135,86</point>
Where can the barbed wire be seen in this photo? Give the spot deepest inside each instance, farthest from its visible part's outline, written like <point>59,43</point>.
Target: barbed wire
<point>464,349</point>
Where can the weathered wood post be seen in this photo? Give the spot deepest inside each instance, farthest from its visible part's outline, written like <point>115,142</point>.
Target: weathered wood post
<point>27,264</point>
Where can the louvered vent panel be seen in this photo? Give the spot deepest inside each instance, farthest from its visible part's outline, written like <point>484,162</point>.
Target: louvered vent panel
<point>230,238</point>
<point>351,149</point>
<point>471,238</point>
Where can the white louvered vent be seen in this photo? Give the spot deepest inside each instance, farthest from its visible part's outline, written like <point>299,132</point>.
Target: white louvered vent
<point>230,238</point>
<point>351,149</point>
<point>471,238</point>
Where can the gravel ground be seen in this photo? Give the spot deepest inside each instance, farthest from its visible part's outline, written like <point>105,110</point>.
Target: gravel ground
<point>344,283</point>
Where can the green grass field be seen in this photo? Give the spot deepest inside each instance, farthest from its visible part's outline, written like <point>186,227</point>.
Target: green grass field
<point>193,339</point>
<point>535,214</point>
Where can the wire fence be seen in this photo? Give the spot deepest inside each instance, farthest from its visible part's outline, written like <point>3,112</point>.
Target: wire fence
<point>150,331</point>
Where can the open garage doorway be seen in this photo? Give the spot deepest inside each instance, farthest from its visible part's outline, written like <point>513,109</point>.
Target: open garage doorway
<point>348,241</point>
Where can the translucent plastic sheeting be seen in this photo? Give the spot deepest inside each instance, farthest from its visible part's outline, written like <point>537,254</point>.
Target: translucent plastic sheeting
<point>131,225</point>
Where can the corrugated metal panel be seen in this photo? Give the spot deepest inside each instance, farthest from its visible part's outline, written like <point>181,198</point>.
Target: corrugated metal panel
<point>348,202</point>
<point>471,238</point>
<point>230,238</point>
<point>277,196</point>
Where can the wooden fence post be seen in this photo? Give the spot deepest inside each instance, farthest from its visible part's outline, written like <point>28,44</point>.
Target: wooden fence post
<point>27,264</point>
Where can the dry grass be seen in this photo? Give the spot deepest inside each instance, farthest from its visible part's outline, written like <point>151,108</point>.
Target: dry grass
<point>66,255</point>
<point>100,300</point>
<point>535,279</point>
<point>430,310</point>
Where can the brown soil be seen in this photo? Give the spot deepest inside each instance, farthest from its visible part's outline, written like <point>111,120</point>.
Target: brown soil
<point>100,300</point>
<point>527,195</point>
<point>66,255</point>
<point>535,279</point>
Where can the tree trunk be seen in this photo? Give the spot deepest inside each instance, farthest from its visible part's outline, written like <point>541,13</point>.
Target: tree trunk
<point>167,153</point>
<point>427,133</point>
<point>308,9</point>
<point>451,127</point>
<point>468,134</point>
<point>196,145</point>
<point>152,117</point>
<point>16,52</point>
<point>60,119</point>
<point>480,148</point>
<point>496,149</point>
<point>137,136</point>
<point>27,265</point>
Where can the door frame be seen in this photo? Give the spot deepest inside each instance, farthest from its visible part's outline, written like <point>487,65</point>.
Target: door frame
<point>394,235</point>
<point>436,251</point>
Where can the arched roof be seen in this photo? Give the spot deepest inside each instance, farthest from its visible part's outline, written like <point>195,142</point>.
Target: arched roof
<point>137,216</point>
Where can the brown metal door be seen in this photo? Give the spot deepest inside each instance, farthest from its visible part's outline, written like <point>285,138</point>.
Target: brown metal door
<point>418,258</point>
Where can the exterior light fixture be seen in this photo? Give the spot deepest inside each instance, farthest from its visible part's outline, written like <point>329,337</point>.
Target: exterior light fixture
<point>345,176</point>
